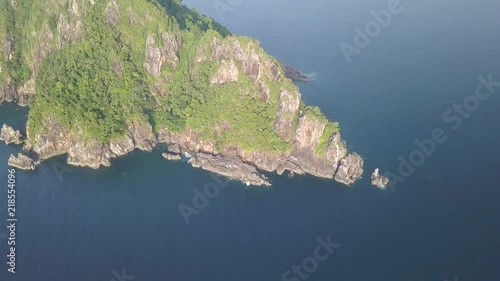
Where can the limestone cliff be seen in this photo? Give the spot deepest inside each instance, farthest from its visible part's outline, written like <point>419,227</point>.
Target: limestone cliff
<point>219,97</point>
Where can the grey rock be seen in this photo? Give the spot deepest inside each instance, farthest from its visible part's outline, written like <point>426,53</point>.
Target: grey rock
<point>170,156</point>
<point>230,166</point>
<point>157,58</point>
<point>10,136</point>
<point>227,73</point>
<point>87,153</point>
<point>52,141</point>
<point>22,162</point>
<point>295,74</point>
<point>351,169</point>
<point>8,92</point>
<point>142,134</point>
<point>379,180</point>
<point>121,146</point>
<point>174,148</point>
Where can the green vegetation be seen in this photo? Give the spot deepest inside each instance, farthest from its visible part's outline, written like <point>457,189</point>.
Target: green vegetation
<point>96,83</point>
<point>330,129</point>
<point>19,70</point>
<point>188,19</point>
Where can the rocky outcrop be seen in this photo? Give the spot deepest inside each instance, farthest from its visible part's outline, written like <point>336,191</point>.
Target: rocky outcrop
<point>10,136</point>
<point>302,159</point>
<point>54,139</point>
<point>227,73</point>
<point>8,92</point>
<point>378,180</point>
<point>172,156</point>
<point>87,153</point>
<point>295,74</point>
<point>159,56</point>
<point>112,12</point>
<point>350,169</point>
<point>142,135</point>
<point>230,166</point>
<point>289,105</point>
<point>220,60</point>
<point>22,162</point>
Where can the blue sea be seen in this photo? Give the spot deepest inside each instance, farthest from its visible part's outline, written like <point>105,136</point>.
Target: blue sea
<point>412,78</point>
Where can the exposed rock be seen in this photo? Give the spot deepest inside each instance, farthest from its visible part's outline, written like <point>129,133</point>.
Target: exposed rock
<point>174,148</point>
<point>231,167</point>
<point>171,156</point>
<point>351,169</point>
<point>153,63</point>
<point>251,59</point>
<point>289,104</point>
<point>52,140</point>
<point>227,73</point>
<point>25,92</point>
<point>121,146</point>
<point>172,43</point>
<point>264,90</point>
<point>302,159</point>
<point>295,74</point>
<point>112,12</point>
<point>22,162</point>
<point>8,92</point>
<point>336,150</point>
<point>55,140</point>
<point>87,153</point>
<point>142,134</point>
<point>157,58</point>
<point>309,131</point>
<point>10,136</point>
<point>69,29</point>
<point>188,140</point>
<point>7,50</point>
<point>379,180</point>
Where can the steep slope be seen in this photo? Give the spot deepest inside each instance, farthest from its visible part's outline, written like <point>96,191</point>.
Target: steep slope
<point>105,78</point>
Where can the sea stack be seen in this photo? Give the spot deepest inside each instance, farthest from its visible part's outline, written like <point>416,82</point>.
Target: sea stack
<point>379,180</point>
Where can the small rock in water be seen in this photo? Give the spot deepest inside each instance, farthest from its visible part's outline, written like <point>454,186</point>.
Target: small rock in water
<point>9,135</point>
<point>295,74</point>
<point>172,156</point>
<point>379,180</point>
<point>22,162</point>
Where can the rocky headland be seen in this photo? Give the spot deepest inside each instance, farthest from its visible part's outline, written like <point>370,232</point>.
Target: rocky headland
<point>247,120</point>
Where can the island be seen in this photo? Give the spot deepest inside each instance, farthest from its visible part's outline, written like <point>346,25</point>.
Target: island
<point>103,78</point>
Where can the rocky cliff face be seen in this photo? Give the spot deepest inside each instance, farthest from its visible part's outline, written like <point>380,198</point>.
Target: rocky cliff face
<point>236,58</point>
<point>84,152</point>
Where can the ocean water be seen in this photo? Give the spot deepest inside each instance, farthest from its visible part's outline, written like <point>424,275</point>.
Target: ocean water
<point>442,222</point>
